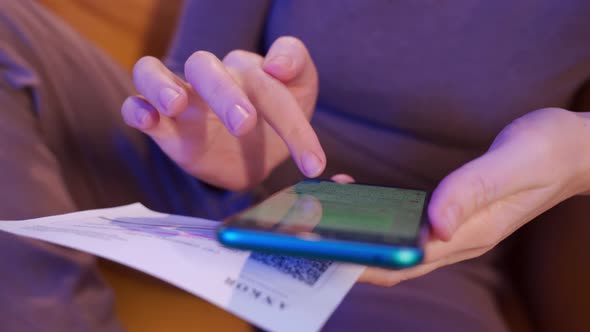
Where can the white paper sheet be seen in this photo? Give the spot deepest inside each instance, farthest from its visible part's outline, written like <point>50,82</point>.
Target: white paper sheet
<point>275,293</point>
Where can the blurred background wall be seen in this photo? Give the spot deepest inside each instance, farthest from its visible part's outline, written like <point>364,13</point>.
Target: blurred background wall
<point>126,29</point>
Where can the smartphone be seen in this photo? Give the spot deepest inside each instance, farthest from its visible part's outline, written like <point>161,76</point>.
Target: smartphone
<point>370,225</point>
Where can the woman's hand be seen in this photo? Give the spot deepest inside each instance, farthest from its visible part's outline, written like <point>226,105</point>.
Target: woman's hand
<point>536,162</point>
<point>235,120</point>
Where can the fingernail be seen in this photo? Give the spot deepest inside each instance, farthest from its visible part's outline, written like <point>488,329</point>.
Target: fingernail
<point>141,117</point>
<point>167,97</point>
<point>312,165</point>
<point>282,61</point>
<point>452,218</point>
<point>236,117</point>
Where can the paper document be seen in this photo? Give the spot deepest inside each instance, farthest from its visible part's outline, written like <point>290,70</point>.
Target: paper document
<point>274,292</point>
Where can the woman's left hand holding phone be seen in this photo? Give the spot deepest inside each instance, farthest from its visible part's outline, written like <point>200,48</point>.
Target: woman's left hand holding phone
<point>536,162</point>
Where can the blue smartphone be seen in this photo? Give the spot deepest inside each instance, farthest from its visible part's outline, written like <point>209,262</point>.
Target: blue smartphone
<point>370,225</point>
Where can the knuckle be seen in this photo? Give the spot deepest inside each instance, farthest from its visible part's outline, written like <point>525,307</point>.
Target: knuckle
<point>549,123</point>
<point>200,56</point>
<point>235,55</point>
<point>242,60</point>
<point>290,41</point>
<point>143,63</point>
<point>540,127</point>
<point>522,126</point>
<point>554,113</point>
<point>141,68</point>
<point>196,59</point>
<point>543,133</point>
<point>543,145</point>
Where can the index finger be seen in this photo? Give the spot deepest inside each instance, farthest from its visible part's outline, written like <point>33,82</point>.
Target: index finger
<point>277,105</point>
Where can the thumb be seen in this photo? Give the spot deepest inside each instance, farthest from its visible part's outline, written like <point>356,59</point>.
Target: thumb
<point>505,169</point>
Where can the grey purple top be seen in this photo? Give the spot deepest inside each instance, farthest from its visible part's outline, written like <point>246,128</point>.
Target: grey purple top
<point>410,90</point>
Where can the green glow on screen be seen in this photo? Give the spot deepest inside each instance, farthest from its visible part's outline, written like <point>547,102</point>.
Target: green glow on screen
<point>350,208</point>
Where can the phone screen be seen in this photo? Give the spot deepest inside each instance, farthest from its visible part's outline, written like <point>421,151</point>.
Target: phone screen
<point>341,211</point>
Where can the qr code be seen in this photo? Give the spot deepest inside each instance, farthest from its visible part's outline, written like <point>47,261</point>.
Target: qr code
<point>306,270</point>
